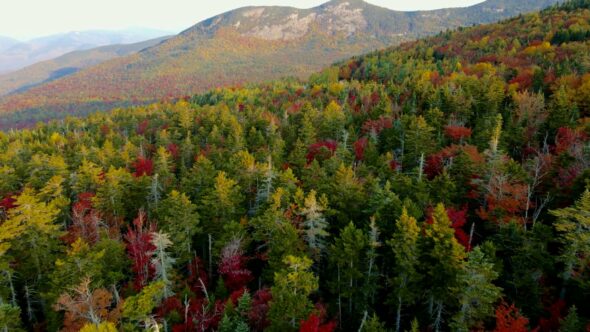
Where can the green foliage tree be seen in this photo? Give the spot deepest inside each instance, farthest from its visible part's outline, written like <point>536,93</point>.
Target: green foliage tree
<point>290,294</point>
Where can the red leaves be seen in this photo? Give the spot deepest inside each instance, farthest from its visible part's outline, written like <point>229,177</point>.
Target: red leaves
<point>509,319</point>
<point>321,150</point>
<point>140,250</point>
<point>198,278</point>
<point>394,165</point>
<point>556,313</point>
<point>458,220</point>
<point>313,324</point>
<point>569,140</point>
<point>173,150</point>
<point>7,203</point>
<point>359,148</point>
<point>143,166</point>
<point>457,133</point>
<point>143,126</point>
<point>377,126</point>
<point>85,221</point>
<point>259,310</point>
<point>232,267</point>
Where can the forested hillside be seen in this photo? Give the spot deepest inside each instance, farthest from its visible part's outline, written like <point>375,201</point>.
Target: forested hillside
<point>246,45</point>
<point>442,185</point>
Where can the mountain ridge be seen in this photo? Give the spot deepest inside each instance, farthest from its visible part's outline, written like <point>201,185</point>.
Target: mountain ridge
<point>248,44</point>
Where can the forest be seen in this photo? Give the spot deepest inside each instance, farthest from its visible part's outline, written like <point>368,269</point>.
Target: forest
<point>442,185</point>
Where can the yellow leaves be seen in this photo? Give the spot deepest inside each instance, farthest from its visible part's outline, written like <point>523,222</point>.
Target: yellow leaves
<point>246,161</point>
<point>224,188</point>
<point>56,139</point>
<point>336,88</point>
<point>102,327</point>
<point>78,247</point>
<point>29,215</point>
<point>543,48</point>
<point>484,68</point>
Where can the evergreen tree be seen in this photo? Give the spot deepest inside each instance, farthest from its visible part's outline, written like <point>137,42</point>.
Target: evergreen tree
<point>178,217</point>
<point>477,293</point>
<point>442,262</point>
<point>290,294</point>
<point>406,252</point>
<point>573,226</point>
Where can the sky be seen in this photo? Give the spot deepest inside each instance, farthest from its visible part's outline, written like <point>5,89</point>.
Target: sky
<point>26,19</point>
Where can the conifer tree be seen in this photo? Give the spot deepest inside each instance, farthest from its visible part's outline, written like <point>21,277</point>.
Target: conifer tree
<point>406,252</point>
<point>178,217</point>
<point>290,294</point>
<point>477,293</point>
<point>315,224</point>
<point>573,226</point>
<point>443,262</point>
<point>347,256</point>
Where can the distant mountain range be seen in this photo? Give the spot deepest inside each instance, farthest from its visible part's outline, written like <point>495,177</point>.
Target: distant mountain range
<point>67,64</point>
<point>15,55</point>
<point>246,45</point>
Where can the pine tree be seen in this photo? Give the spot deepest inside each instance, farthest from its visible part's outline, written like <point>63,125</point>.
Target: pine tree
<point>442,262</point>
<point>347,257</point>
<point>477,293</point>
<point>162,261</point>
<point>290,294</point>
<point>315,224</point>
<point>407,255</point>
<point>573,226</point>
<point>178,217</point>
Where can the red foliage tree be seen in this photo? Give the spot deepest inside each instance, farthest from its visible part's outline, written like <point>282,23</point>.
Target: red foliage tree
<point>85,221</point>
<point>313,324</point>
<point>198,279</point>
<point>359,148</point>
<point>258,314</point>
<point>140,250</point>
<point>325,149</point>
<point>556,312</point>
<point>143,166</point>
<point>569,140</point>
<point>509,319</point>
<point>173,150</point>
<point>377,126</point>
<point>316,321</point>
<point>458,220</point>
<point>7,203</point>
<point>458,133</point>
<point>143,126</point>
<point>233,269</point>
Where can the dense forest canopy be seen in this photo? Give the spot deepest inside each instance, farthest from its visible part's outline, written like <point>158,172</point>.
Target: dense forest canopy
<point>439,185</point>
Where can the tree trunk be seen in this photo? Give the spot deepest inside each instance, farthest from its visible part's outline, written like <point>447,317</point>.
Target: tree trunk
<point>398,316</point>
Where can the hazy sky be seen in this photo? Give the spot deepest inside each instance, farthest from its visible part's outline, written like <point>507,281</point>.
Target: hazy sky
<point>25,19</point>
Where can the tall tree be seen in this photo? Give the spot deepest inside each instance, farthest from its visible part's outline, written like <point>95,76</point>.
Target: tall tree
<point>178,217</point>
<point>290,294</point>
<point>406,251</point>
<point>477,293</point>
<point>443,262</point>
<point>573,226</point>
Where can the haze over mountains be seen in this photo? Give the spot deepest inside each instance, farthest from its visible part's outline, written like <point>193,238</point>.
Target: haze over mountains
<point>246,45</point>
<point>67,64</point>
<point>15,54</point>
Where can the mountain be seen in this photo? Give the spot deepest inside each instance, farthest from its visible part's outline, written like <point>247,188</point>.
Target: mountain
<point>7,42</point>
<point>250,44</point>
<point>67,64</point>
<point>22,54</point>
